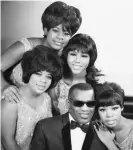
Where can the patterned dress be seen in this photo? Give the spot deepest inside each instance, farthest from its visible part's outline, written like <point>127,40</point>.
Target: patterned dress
<point>62,90</point>
<point>27,119</point>
<point>16,75</point>
<point>127,144</point>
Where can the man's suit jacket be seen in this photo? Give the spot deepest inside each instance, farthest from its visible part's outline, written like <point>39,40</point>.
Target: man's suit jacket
<point>54,134</point>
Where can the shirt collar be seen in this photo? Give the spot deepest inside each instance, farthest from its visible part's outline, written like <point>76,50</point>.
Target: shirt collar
<point>72,119</point>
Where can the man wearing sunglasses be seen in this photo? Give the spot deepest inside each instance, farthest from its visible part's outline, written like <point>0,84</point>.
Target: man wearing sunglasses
<point>73,130</point>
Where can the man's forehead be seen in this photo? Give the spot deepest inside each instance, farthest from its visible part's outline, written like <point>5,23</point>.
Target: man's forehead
<point>85,94</point>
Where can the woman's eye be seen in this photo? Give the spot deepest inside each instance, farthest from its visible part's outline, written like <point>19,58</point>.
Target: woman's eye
<point>49,77</point>
<point>101,110</point>
<point>55,30</point>
<point>85,56</point>
<point>72,54</point>
<point>66,33</point>
<point>115,108</point>
<point>38,73</point>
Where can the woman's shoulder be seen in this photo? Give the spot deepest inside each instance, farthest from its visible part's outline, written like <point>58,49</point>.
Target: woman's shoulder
<point>61,86</point>
<point>63,82</point>
<point>36,41</point>
<point>5,103</point>
<point>8,106</point>
<point>46,96</point>
<point>131,123</point>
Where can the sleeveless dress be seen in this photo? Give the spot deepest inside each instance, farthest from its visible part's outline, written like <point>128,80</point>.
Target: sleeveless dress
<point>62,90</point>
<point>127,144</point>
<point>16,75</point>
<point>27,119</point>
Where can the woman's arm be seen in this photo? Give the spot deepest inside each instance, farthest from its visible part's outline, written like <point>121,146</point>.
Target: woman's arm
<point>8,125</point>
<point>106,137</point>
<point>54,99</point>
<point>11,56</point>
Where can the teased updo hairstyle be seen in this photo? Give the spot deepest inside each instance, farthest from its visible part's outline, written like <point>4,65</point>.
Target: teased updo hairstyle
<point>60,13</point>
<point>39,59</point>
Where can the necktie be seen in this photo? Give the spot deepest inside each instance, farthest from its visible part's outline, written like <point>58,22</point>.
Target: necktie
<point>83,127</point>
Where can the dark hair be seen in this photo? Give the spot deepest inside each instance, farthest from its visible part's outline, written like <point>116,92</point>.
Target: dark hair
<point>79,86</point>
<point>86,44</point>
<point>110,94</point>
<point>61,13</point>
<point>39,59</point>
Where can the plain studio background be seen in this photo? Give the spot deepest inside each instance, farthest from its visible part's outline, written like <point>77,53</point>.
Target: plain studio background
<point>109,23</point>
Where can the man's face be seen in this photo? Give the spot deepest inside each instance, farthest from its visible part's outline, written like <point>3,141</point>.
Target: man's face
<point>82,114</point>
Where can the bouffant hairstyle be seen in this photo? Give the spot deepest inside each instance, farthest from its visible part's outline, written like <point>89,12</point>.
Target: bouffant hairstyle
<point>110,94</point>
<point>39,59</point>
<point>60,13</point>
<point>85,44</point>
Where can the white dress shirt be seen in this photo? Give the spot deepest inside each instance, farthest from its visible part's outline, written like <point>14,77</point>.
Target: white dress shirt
<point>77,137</point>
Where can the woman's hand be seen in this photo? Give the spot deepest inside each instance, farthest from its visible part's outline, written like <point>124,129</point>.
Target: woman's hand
<point>11,94</point>
<point>106,136</point>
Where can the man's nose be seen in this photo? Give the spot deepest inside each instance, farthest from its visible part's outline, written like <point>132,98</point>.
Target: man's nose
<point>85,107</point>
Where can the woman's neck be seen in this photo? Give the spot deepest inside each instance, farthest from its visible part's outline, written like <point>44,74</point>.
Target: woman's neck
<point>35,101</point>
<point>74,79</point>
<point>29,94</point>
<point>45,43</point>
<point>121,124</point>
<point>122,130</point>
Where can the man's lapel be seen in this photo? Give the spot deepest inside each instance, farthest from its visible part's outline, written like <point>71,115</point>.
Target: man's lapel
<point>88,139</point>
<point>66,132</point>
<point>92,142</point>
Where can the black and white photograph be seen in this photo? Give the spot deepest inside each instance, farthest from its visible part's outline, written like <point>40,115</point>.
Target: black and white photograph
<point>66,75</point>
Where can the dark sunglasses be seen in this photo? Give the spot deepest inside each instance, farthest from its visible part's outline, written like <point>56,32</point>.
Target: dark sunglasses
<point>77,103</point>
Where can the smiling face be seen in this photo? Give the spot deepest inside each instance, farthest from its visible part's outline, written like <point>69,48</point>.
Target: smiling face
<point>40,82</point>
<point>110,115</point>
<point>84,113</point>
<point>57,38</point>
<point>78,61</point>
